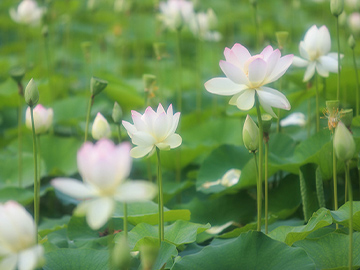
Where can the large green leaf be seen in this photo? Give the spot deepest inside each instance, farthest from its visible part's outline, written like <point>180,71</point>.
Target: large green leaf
<point>332,251</point>
<point>341,216</point>
<point>21,195</point>
<point>50,225</point>
<point>251,250</point>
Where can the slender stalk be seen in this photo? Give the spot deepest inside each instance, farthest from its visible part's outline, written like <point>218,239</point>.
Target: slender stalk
<point>258,194</point>
<point>317,103</point>
<point>256,22</point>
<point>125,221</point>
<point>198,73</point>
<point>260,168</point>
<point>338,47</point>
<point>119,133</point>
<point>347,177</point>
<point>36,186</point>
<point>346,191</point>
<point>266,187</point>
<point>91,100</point>
<point>309,119</point>
<point>160,198</point>
<point>335,183</point>
<point>20,140</point>
<point>39,164</point>
<point>357,83</point>
<point>110,242</point>
<point>179,69</point>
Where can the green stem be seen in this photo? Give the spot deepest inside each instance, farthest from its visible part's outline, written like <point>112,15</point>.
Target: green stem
<point>119,133</point>
<point>88,117</point>
<point>335,183</point>
<point>309,119</point>
<point>317,103</point>
<point>39,165</point>
<point>266,187</point>
<point>110,241</point>
<point>125,221</point>
<point>338,47</point>
<point>347,176</point>
<point>160,198</point>
<point>36,187</point>
<point>258,194</point>
<point>357,83</point>
<point>279,111</point>
<point>179,69</point>
<point>20,140</point>
<point>260,169</point>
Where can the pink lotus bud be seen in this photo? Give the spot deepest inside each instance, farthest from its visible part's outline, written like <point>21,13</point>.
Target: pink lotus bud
<point>100,128</point>
<point>43,119</point>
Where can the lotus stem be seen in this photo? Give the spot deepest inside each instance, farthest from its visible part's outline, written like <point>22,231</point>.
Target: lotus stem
<point>125,221</point>
<point>335,183</point>
<point>160,198</point>
<point>198,71</point>
<point>20,140</point>
<point>338,47</point>
<point>357,83</point>
<point>266,187</point>
<point>347,179</point>
<point>317,103</point>
<point>258,194</point>
<point>179,69</point>
<point>260,166</point>
<point>91,100</point>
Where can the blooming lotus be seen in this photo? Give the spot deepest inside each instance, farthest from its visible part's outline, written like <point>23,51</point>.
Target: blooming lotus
<point>247,75</point>
<point>314,50</point>
<point>100,128</point>
<point>176,13</point>
<point>202,25</point>
<point>28,12</point>
<point>104,168</point>
<point>18,248</point>
<point>153,129</point>
<point>43,118</point>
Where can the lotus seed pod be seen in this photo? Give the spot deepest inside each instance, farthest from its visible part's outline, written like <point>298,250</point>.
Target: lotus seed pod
<point>344,143</point>
<point>149,81</point>
<point>17,73</point>
<point>31,93</point>
<point>266,120</point>
<point>97,85</point>
<point>160,50</point>
<point>332,106</point>
<point>336,7</point>
<point>250,134</point>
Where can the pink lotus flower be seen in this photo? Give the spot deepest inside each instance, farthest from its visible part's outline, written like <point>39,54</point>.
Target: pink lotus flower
<point>104,168</point>
<point>43,118</point>
<point>153,129</point>
<point>18,248</point>
<point>247,75</point>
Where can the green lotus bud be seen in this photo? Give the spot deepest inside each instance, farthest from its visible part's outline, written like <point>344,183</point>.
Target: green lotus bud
<point>344,143</point>
<point>160,50</point>
<point>336,7</point>
<point>148,255</point>
<point>281,37</point>
<point>17,73</point>
<point>266,120</point>
<point>31,93</point>
<point>346,117</point>
<point>117,113</point>
<point>100,128</point>
<point>352,42</point>
<point>97,85</point>
<point>121,254</point>
<point>250,134</point>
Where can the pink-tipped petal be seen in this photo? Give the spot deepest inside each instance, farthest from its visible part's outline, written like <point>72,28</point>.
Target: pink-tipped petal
<point>234,73</point>
<point>241,53</point>
<point>257,71</point>
<point>223,87</point>
<point>267,52</point>
<point>281,67</point>
<point>72,187</point>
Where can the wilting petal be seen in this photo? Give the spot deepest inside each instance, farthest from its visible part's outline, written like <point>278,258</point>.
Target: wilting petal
<point>73,188</point>
<point>329,63</point>
<point>257,71</point>
<point>246,100</point>
<point>273,98</point>
<point>141,151</point>
<point>173,140</point>
<point>324,40</point>
<point>223,87</point>
<point>136,191</point>
<point>299,62</point>
<point>233,72</point>
<point>99,211</point>
<point>310,71</point>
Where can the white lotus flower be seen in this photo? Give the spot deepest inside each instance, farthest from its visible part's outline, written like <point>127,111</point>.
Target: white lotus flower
<point>28,12</point>
<point>43,118</point>
<point>314,50</point>
<point>153,129</point>
<point>247,75</point>
<point>294,119</point>
<point>104,168</point>
<point>176,13</point>
<point>18,248</point>
<point>354,23</point>
<point>100,128</point>
<point>202,25</point>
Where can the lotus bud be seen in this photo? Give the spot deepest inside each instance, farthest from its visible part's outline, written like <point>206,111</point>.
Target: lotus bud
<point>346,117</point>
<point>43,118</point>
<point>121,254</point>
<point>160,50</point>
<point>101,128</point>
<point>178,21</point>
<point>352,42</point>
<point>97,85</point>
<point>31,93</point>
<point>117,113</point>
<point>45,31</point>
<point>336,7</point>
<point>344,143</point>
<point>250,134</point>
<point>354,23</point>
<point>148,255</point>
<point>281,37</point>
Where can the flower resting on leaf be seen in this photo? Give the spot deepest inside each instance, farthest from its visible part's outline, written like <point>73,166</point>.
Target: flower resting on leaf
<point>153,129</point>
<point>18,248</point>
<point>314,50</point>
<point>247,75</point>
<point>104,168</point>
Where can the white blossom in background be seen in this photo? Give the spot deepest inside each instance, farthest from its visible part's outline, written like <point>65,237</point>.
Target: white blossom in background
<point>203,25</point>
<point>27,12</point>
<point>247,75</point>
<point>315,53</point>
<point>43,118</point>
<point>153,129</point>
<point>18,248</point>
<point>104,168</point>
<point>174,14</point>
<point>100,128</point>
<point>294,119</point>
<point>354,23</point>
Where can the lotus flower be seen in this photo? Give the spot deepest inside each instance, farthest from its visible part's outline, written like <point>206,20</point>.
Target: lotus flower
<point>247,75</point>
<point>100,128</point>
<point>28,12</point>
<point>43,118</point>
<point>104,168</point>
<point>153,129</point>
<point>176,13</point>
<point>18,248</point>
<point>315,50</point>
<point>202,25</point>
